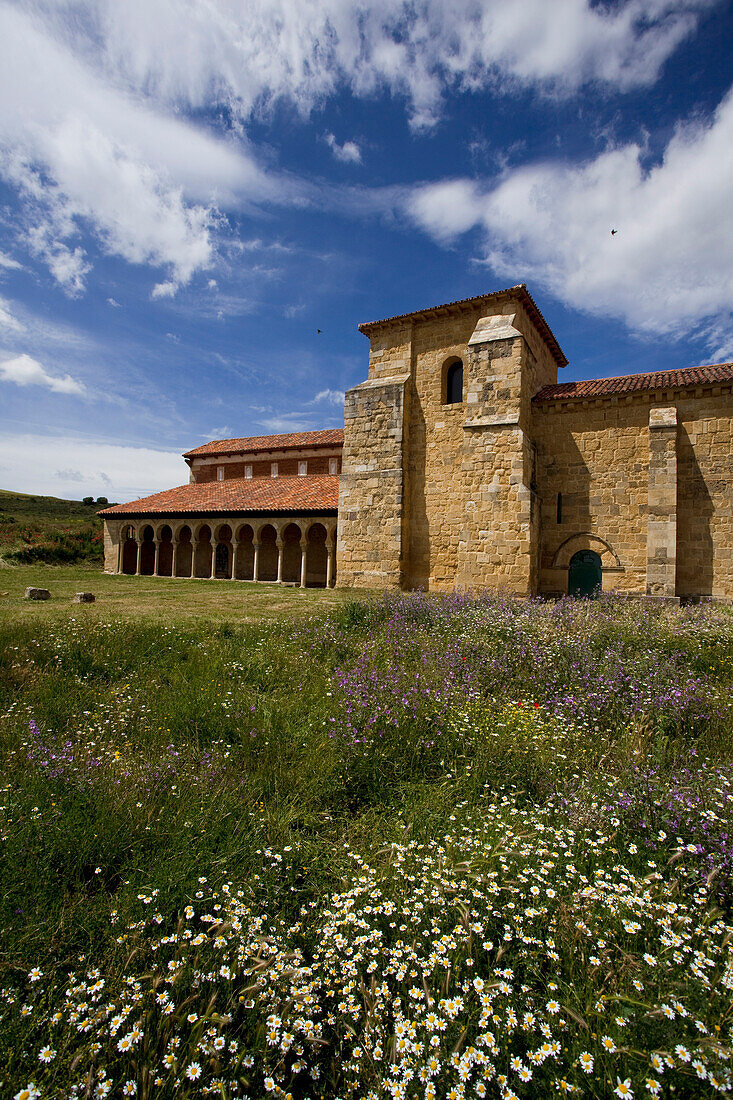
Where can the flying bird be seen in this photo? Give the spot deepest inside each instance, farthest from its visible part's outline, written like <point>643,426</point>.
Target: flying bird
<point>614,232</point>
<point>318,330</point>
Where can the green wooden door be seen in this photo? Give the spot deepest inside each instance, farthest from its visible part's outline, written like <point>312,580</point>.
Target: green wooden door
<point>584,575</point>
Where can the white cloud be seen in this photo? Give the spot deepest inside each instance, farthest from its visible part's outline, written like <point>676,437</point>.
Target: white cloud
<point>49,464</point>
<point>8,262</point>
<point>164,290</point>
<point>668,269</point>
<point>349,152</point>
<point>245,56</point>
<point>68,267</point>
<point>288,422</point>
<point>83,154</point>
<point>329,397</point>
<point>114,303</point>
<point>23,370</point>
<point>93,97</point>
<point>8,322</point>
<point>447,208</point>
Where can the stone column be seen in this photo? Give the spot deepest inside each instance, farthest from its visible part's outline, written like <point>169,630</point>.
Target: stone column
<point>213,559</point>
<point>194,548</point>
<point>174,562</point>
<point>329,562</point>
<point>139,554</point>
<point>279,544</point>
<point>157,558</point>
<point>303,561</point>
<point>235,548</point>
<point>661,536</point>
<point>256,561</point>
<point>120,552</point>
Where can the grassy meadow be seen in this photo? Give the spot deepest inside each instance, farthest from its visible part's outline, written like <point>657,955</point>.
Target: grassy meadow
<point>258,842</point>
<point>36,529</point>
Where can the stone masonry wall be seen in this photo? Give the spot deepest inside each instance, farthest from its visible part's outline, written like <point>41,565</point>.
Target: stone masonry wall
<point>705,493</point>
<point>597,456</point>
<point>371,527</point>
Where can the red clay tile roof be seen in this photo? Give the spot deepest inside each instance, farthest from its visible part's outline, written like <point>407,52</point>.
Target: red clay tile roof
<point>317,493</point>
<point>328,437</point>
<point>519,291</point>
<point>632,383</point>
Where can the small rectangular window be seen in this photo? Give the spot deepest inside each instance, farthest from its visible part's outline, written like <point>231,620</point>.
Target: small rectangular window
<point>333,465</point>
<point>248,471</point>
<point>273,469</point>
<point>559,507</point>
<point>219,473</point>
<point>302,469</point>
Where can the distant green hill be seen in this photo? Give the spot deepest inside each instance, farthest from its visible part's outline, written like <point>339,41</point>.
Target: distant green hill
<point>48,529</point>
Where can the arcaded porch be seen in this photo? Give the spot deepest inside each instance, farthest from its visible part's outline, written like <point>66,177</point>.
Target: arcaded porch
<point>299,550</point>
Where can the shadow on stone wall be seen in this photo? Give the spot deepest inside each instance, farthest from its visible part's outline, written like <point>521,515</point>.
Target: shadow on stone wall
<point>417,532</point>
<point>563,472</point>
<point>695,510</point>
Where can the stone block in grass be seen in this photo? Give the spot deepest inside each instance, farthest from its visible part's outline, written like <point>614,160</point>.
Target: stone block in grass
<point>37,594</point>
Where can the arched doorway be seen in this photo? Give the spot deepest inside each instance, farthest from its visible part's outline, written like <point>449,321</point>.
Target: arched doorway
<point>317,556</point>
<point>147,552</point>
<point>267,568</point>
<point>203,552</point>
<point>165,553</point>
<point>129,552</point>
<point>291,554</point>
<point>245,553</point>
<point>223,558</point>
<point>584,574</point>
<point>221,566</point>
<point>183,558</point>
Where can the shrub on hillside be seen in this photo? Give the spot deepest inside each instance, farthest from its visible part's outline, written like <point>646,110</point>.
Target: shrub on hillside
<point>61,548</point>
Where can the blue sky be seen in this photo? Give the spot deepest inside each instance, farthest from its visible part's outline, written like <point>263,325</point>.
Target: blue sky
<point>190,189</point>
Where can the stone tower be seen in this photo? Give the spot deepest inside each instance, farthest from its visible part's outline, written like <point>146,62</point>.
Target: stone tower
<point>437,492</point>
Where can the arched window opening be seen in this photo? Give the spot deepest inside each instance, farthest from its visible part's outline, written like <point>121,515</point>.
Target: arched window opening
<point>454,383</point>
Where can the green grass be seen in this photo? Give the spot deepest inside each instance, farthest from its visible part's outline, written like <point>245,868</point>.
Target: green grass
<point>149,597</point>
<point>48,529</point>
<point>323,769</point>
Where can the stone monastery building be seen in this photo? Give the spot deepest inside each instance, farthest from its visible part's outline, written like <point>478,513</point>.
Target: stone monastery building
<point>463,462</point>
